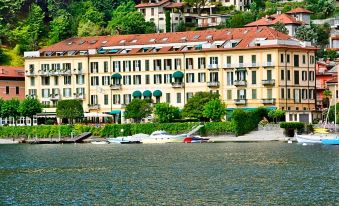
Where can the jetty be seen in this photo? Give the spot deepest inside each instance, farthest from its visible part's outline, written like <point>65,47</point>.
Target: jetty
<point>78,139</point>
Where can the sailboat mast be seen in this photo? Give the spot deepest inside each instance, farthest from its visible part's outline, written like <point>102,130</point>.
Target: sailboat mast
<point>335,107</point>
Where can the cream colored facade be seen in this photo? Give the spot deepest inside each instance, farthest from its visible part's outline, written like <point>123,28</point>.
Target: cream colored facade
<point>256,80</point>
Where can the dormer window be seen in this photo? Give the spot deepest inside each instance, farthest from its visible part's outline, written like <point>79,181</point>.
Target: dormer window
<point>93,42</point>
<point>184,39</point>
<point>229,33</point>
<point>152,40</point>
<point>165,39</point>
<point>245,32</point>
<point>104,42</point>
<point>209,37</point>
<point>122,41</point>
<point>196,37</point>
<point>156,49</point>
<point>70,43</point>
<point>81,42</point>
<point>134,41</point>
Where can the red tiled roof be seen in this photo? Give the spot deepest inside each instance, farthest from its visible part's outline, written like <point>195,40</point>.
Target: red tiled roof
<point>334,80</point>
<point>151,4</point>
<point>245,35</point>
<point>175,5</point>
<point>299,10</point>
<point>275,18</point>
<point>10,71</point>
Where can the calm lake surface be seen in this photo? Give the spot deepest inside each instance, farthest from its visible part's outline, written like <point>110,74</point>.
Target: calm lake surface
<point>270,173</point>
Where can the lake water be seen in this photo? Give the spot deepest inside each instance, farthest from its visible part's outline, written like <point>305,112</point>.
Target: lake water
<point>271,173</point>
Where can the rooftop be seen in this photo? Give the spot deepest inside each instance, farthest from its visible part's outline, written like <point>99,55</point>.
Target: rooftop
<point>275,18</point>
<point>12,72</point>
<point>152,4</point>
<point>299,10</point>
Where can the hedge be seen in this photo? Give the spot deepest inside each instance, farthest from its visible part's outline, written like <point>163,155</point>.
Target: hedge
<point>292,125</point>
<point>114,130</point>
<point>246,121</point>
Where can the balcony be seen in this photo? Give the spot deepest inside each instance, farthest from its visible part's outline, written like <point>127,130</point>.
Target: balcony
<point>30,74</point>
<point>77,71</point>
<point>93,106</point>
<point>44,73</point>
<point>54,97</point>
<point>228,66</point>
<point>178,67</point>
<point>240,101</point>
<point>268,64</point>
<point>253,65</point>
<point>240,83</point>
<point>79,96</point>
<point>115,86</point>
<point>240,65</point>
<point>178,84</point>
<point>213,67</point>
<point>268,82</point>
<point>213,84</point>
<point>168,67</point>
<point>189,66</point>
<point>268,101</point>
<point>202,66</point>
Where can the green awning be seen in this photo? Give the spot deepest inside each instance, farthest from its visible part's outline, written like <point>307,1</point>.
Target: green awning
<point>178,74</point>
<point>157,93</point>
<point>113,51</point>
<point>249,108</point>
<point>117,76</point>
<point>115,112</point>
<point>147,93</point>
<point>136,93</point>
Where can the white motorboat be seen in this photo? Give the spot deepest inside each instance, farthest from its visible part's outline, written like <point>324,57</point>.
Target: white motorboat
<point>99,142</point>
<point>160,137</point>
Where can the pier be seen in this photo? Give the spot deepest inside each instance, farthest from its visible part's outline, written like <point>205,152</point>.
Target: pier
<point>77,139</point>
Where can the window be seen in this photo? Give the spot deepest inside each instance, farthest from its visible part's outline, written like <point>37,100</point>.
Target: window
<point>105,66</point>
<point>178,98</point>
<point>80,79</point>
<point>127,98</point>
<point>304,75</point>
<point>214,77</point>
<point>45,93</point>
<point>157,79</point>
<point>67,92</point>
<point>254,59</point>
<point>282,58</point>
<point>94,81</point>
<point>106,99</point>
<point>201,63</point>
<point>189,95</point>
<point>311,94</point>
<point>241,94</point>
<point>32,92</point>
<point>288,58</point>
<point>296,60</point>
<point>269,93</point>
<point>229,78</point>
<point>254,93</point>
<point>116,66</point>
<point>137,65</point>
<point>126,66</point>
<point>311,59</point>
<point>254,77</point>
<point>229,94</point>
<point>282,93</point>
<point>56,81</point>
<point>288,75</point>
<point>136,79</point>
<point>189,63</point>
<point>177,63</point>
<point>304,59</point>
<point>7,89</point>
<point>311,76</point>
<point>304,93</point>
<point>80,66</point>
<point>214,60</point>
<point>296,95</point>
<point>288,93</point>
<point>106,80</point>
<point>17,90</point>
<point>157,64</point>
<point>296,77</point>
<point>67,80</point>
<point>168,97</point>
<point>94,67</point>
<point>152,11</point>
<point>190,77</point>
<point>282,74</point>
<point>269,74</point>
<point>80,91</point>
<point>127,80</point>
<point>147,79</point>
<point>167,78</point>
<point>94,99</point>
<point>147,65</point>
<point>116,99</point>
<point>269,57</point>
<point>241,59</point>
<point>201,77</point>
<point>45,80</point>
<point>228,60</point>
<point>168,64</point>
<point>32,81</point>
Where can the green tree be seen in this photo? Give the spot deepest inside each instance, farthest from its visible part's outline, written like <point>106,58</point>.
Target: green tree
<point>35,22</point>
<point>240,19</point>
<point>89,29</point>
<point>2,101</point>
<point>127,20</point>
<point>138,109</point>
<point>276,115</point>
<point>60,27</point>
<point>327,94</point>
<point>195,105</point>
<point>168,21</point>
<point>181,27</point>
<point>214,110</point>
<point>10,108</point>
<point>322,9</point>
<point>198,4</point>
<point>279,26</point>
<point>331,113</point>
<point>70,109</point>
<point>30,107</point>
<point>306,33</point>
<point>166,113</point>
<point>322,34</point>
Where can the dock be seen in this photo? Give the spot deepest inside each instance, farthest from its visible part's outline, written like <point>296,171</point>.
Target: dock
<point>78,139</point>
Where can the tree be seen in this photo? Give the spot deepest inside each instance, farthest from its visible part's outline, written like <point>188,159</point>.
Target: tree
<point>70,109</point>
<point>30,107</point>
<point>327,94</point>
<point>279,26</point>
<point>181,27</point>
<point>276,114</point>
<point>166,113</point>
<point>198,4</point>
<point>10,108</point>
<point>89,29</point>
<point>214,110</point>
<point>331,113</point>
<point>60,27</point>
<point>168,21</point>
<point>240,19</point>
<point>127,20</point>
<point>306,34</point>
<point>1,104</point>
<point>195,105</point>
<point>35,22</point>
<point>322,9</point>
<point>138,109</point>
<point>322,34</point>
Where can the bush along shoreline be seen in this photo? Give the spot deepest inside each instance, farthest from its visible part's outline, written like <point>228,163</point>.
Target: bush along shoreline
<point>241,123</point>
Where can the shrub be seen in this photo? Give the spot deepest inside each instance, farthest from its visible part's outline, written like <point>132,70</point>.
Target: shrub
<point>290,127</point>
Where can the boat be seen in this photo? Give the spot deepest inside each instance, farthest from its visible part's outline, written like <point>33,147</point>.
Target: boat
<point>160,137</point>
<point>99,142</point>
<point>330,141</point>
<point>124,140</point>
<point>195,139</point>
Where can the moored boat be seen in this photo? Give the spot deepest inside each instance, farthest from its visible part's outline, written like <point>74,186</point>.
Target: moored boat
<point>99,142</point>
<point>330,141</point>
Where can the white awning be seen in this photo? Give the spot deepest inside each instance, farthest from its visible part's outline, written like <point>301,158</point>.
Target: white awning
<point>93,114</point>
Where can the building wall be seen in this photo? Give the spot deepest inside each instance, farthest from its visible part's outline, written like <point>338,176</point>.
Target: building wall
<point>12,86</point>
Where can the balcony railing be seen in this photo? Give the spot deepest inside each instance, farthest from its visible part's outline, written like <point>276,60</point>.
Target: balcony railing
<point>168,67</point>
<point>240,65</point>
<point>240,101</point>
<point>115,86</point>
<point>30,73</point>
<point>268,64</point>
<point>239,83</point>
<point>253,64</point>
<point>44,73</point>
<point>77,71</point>
<point>178,84</point>
<point>79,96</point>
<point>213,67</point>
<point>268,82</point>
<point>189,66</point>
<point>228,66</point>
<point>94,106</point>
<point>213,84</point>
<point>54,97</point>
<point>268,101</point>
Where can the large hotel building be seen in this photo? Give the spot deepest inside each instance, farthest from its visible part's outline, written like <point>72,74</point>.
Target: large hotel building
<point>248,67</point>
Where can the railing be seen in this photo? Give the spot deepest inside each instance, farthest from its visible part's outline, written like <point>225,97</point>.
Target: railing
<point>190,67</point>
<point>30,73</point>
<point>240,83</point>
<point>253,64</point>
<point>268,82</point>
<point>240,65</point>
<point>54,97</point>
<point>268,64</point>
<point>168,67</point>
<point>115,86</point>
<point>202,66</point>
<point>240,101</point>
<point>268,101</point>
<point>44,73</point>
<point>213,67</point>
<point>178,84</point>
<point>228,66</point>
<point>94,106</point>
<point>213,84</point>
<point>79,96</point>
